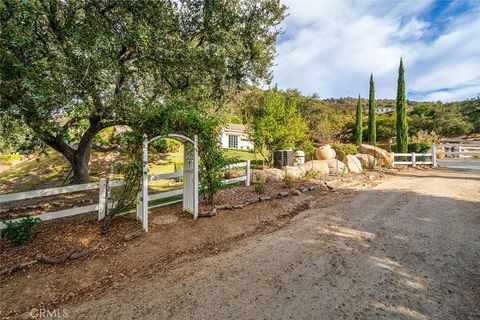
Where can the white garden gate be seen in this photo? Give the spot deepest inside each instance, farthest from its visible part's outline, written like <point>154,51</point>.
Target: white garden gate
<point>190,177</point>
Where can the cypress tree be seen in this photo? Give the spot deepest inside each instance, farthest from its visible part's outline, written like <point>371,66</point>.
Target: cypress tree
<point>372,122</point>
<point>401,112</point>
<point>358,126</point>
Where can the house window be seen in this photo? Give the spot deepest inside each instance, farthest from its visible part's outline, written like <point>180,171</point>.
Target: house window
<point>232,141</point>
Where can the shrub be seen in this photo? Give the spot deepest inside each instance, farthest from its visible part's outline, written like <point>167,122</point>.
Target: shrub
<point>260,188</point>
<point>19,231</point>
<point>421,142</point>
<point>288,181</point>
<point>343,149</point>
<point>419,147</point>
<point>426,137</point>
<point>165,145</point>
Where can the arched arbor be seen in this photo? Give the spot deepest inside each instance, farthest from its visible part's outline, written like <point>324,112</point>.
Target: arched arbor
<point>190,177</point>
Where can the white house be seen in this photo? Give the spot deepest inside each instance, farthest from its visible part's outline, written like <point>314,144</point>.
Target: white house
<point>234,136</point>
<point>384,110</point>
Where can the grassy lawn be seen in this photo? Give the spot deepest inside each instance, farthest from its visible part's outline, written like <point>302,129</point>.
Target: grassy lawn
<point>34,173</point>
<point>243,155</point>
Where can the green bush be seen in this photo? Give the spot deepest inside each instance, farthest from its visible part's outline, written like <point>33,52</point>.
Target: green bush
<point>288,181</point>
<point>422,141</point>
<point>260,188</point>
<point>19,231</point>
<point>419,147</point>
<point>165,146</point>
<point>344,149</point>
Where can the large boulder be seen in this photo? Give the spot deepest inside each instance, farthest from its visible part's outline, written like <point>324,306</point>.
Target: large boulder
<point>274,174</point>
<point>325,152</point>
<point>295,172</point>
<point>337,167</point>
<point>231,174</point>
<point>366,160</point>
<point>353,164</point>
<point>316,167</point>
<point>383,157</point>
<point>259,176</point>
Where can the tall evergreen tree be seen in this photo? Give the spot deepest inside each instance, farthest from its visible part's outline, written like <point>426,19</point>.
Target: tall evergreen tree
<point>402,125</point>
<point>358,126</point>
<point>372,125</point>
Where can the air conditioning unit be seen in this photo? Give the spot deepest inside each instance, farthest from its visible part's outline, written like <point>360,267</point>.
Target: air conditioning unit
<point>282,158</point>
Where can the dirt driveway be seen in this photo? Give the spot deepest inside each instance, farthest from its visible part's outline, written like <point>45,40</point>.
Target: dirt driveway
<point>408,248</point>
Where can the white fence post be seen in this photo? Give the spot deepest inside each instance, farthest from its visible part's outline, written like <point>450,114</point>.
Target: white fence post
<point>139,205</point>
<point>145,184</point>
<point>434,156</point>
<point>247,173</point>
<point>413,159</point>
<point>102,198</point>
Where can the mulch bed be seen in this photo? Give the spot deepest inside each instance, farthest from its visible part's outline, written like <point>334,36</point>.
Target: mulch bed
<point>55,238</point>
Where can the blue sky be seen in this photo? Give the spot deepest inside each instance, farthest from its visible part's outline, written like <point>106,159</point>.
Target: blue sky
<point>331,47</point>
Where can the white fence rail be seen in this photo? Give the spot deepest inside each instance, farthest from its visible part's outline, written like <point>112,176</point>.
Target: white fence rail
<point>414,159</point>
<point>448,150</point>
<point>102,187</point>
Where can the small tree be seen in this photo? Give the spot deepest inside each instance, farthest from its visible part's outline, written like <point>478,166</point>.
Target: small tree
<point>358,125</point>
<point>401,112</point>
<point>372,125</point>
<point>275,122</point>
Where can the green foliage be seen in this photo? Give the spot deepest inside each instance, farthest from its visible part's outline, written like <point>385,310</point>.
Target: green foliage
<point>104,137</point>
<point>417,147</point>
<point>401,112</point>
<point>471,110</point>
<point>288,181</point>
<point>17,232</point>
<point>385,126</point>
<point>426,137</point>
<point>343,149</point>
<point>16,136</point>
<point>445,119</point>
<point>165,146</point>
<point>260,188</point>
<point>275,122</point>
<point>421,142</point>
<point>372,125</point>
<point>326,119</point>
<point>358,122</point>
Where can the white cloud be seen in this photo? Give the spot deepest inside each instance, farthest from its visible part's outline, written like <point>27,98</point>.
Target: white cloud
<point>331,47</point>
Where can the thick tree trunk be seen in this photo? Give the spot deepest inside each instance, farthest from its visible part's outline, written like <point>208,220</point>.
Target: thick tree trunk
<point>80,167</point>
<point>80,157</point>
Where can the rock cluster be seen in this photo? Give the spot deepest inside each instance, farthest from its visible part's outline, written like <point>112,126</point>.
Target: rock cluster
<point>368,157</point>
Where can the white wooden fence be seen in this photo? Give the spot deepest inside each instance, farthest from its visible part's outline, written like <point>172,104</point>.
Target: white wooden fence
<point>464,150</point>
<point>103,190</point>
<point>414,159</point>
